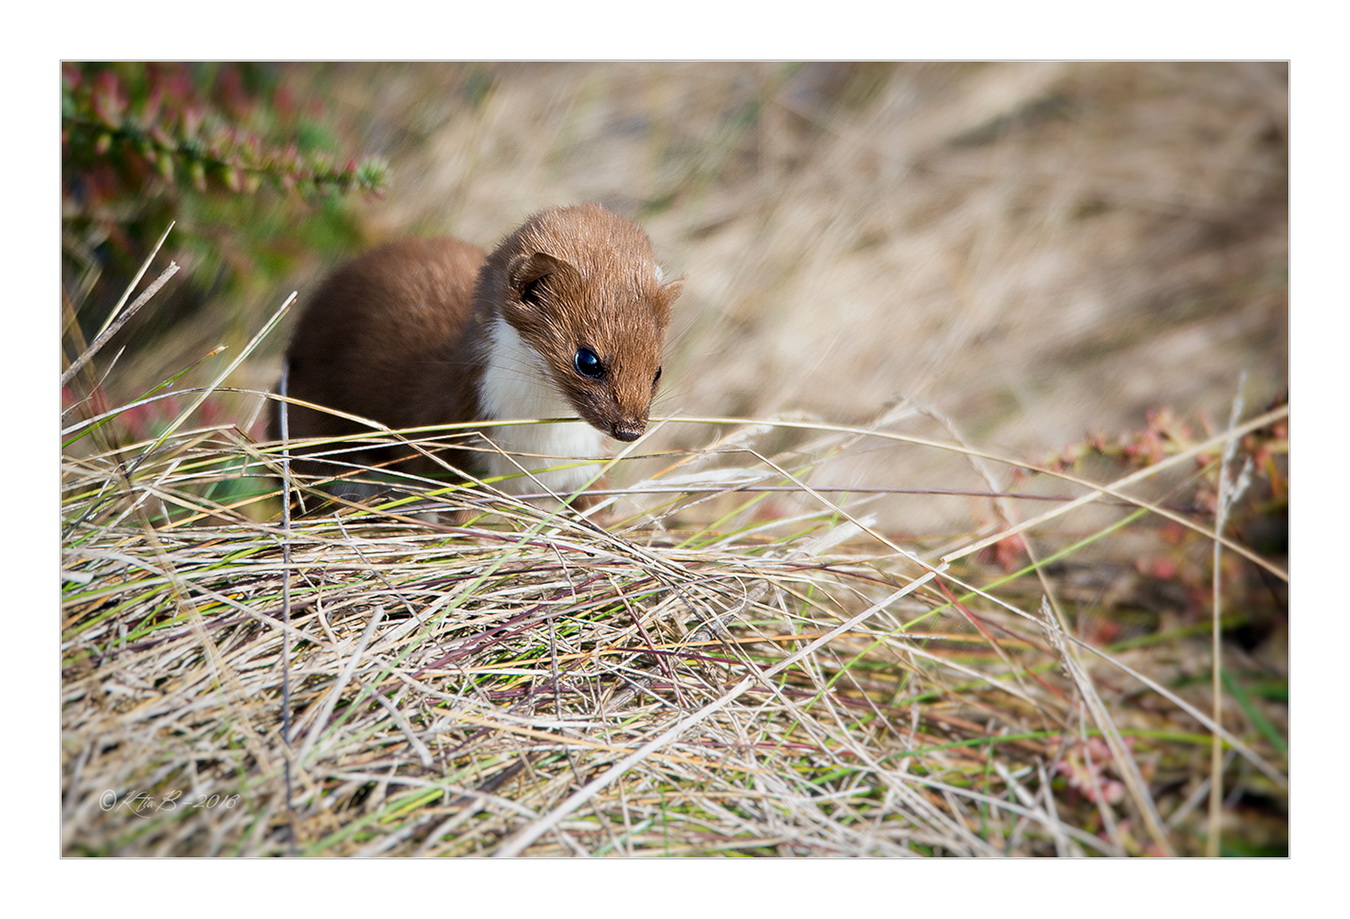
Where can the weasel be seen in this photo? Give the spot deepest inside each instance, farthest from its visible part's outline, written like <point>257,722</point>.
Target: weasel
<point>566,318</point>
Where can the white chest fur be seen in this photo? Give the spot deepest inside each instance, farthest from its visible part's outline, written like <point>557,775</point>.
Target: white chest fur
<point>515,384</point>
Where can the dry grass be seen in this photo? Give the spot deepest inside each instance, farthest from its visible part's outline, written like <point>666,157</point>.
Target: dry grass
<point>766,684</point>
<point>784,640</point>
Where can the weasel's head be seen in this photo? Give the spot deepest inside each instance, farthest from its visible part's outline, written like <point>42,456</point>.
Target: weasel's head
<point>581,288</point>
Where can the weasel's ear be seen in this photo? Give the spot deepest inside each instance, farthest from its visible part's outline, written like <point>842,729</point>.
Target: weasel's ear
<point>526,274</point>
<point>671,289</point>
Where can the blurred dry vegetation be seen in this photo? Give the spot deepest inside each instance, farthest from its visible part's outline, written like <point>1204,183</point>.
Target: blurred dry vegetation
<point>1077,266</point>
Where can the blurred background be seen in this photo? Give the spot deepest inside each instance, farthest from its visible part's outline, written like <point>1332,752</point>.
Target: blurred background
<point>1017,256</point>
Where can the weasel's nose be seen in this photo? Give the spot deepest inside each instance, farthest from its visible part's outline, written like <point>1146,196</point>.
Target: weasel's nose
<point>627,431</point>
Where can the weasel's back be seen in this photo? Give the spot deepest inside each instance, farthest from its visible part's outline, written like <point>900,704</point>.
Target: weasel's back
<point>382,338</point>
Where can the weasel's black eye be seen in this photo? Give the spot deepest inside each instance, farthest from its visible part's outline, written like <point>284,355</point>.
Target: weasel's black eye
<point>588,364</point>
<point>656,379</point>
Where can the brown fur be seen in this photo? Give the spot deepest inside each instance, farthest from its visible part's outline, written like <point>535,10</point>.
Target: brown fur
<point>596,287</point>
<point>401,334</point>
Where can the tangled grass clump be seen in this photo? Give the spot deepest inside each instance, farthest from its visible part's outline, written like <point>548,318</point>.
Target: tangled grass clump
<point>738,661</point>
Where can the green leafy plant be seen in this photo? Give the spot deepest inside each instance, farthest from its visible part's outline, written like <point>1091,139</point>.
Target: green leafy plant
<point>251,177</point>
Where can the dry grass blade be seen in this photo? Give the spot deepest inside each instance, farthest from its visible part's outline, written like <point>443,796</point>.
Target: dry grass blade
<point>114,326</point>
